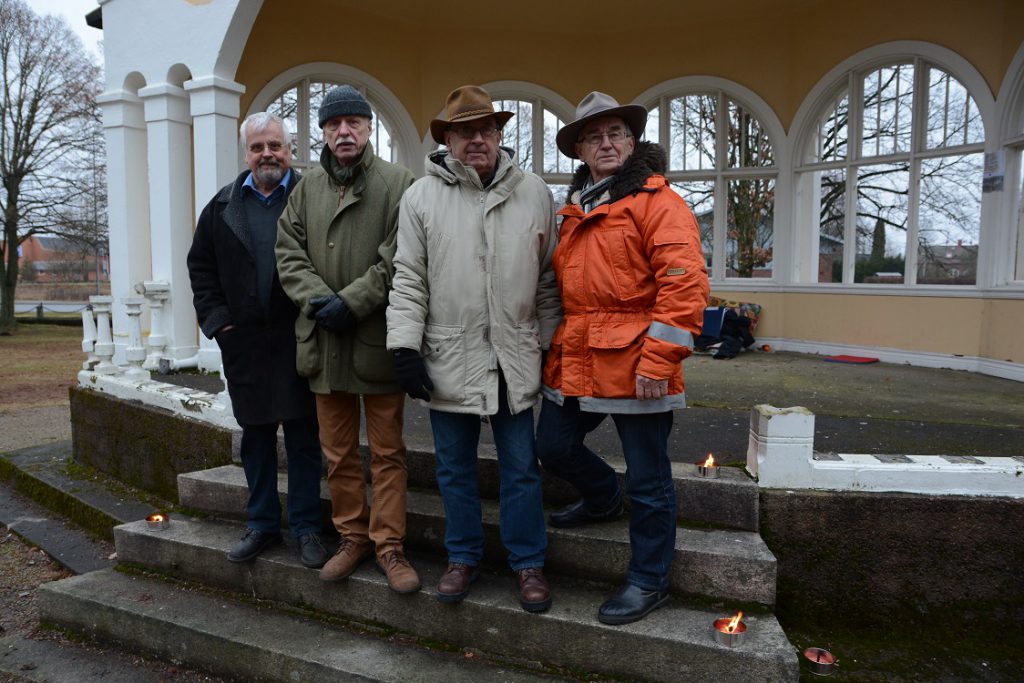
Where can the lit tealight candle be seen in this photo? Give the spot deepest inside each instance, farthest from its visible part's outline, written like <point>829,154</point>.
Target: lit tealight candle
<point>157,521</point>
<point>730,631</point>
<point>708,469</point>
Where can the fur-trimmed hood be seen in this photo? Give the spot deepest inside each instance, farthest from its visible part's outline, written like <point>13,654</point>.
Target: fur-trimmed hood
<point>648,159</point>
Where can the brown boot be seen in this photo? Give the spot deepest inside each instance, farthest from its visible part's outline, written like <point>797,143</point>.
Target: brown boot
<point>534,590</point>
<point>349,556</point>
<point>455,582</point>
<point>402,577</point>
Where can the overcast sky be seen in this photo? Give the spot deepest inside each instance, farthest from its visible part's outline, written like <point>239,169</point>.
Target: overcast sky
<point>74,12</point>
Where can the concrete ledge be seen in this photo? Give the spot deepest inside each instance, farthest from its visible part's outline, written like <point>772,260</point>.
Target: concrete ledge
<point>733,565</point>
<point>240,641</point>
<point>672,644</point>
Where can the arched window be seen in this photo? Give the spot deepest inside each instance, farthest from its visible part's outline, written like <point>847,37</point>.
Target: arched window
<point>893,177</point>
<point>722,161</point>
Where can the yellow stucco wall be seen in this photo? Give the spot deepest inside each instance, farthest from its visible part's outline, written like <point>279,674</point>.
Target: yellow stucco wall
<point>778,48</point>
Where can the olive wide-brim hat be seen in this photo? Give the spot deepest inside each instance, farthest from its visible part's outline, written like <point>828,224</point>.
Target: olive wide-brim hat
<point>597,105</point>
<point>467,103</point>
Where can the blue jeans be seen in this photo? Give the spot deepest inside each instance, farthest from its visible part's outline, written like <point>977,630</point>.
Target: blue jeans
<point>456,439</point>
<point>305,466</point>
<point>652,518</point>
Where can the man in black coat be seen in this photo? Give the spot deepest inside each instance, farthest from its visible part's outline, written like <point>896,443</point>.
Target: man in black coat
<point>240,303</point>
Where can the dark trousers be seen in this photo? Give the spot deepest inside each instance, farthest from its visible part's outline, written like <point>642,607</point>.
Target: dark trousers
<point>652,519</point>
<point>305,466</point>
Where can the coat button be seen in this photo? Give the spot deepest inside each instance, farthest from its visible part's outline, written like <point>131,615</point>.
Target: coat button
<point>330,245</point>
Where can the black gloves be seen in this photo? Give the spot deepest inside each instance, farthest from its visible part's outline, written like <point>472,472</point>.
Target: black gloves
<point>411,374</point>
<point>331,313</point>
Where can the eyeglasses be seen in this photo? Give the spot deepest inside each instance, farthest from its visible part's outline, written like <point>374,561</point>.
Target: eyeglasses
<point>616,137</point>
<point>273,146</point>
<point>469,132</point>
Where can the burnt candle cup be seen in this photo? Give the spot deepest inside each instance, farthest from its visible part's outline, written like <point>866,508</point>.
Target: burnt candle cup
<point>708,471</point>
<point>157,521</point>
<point>822,662</point>
<point>723,636</point>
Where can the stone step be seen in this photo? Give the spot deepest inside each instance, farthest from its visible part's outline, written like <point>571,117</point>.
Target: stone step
<point>673,643</point>
<point>245,641</point>
<point>731,565</point>
<point>729,501</point>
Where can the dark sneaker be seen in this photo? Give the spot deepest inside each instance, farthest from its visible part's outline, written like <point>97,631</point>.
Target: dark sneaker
<point>455,582</point>
<point>402,576</point>
<point>579,514</point>
<point>252,544</point>
<point>534,590</point>
<point>348,558</point>
<point>630,604</point>
<point>312,552</point>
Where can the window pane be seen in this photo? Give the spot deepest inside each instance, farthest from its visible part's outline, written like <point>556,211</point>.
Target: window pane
<point>518,132</point>
<point>555,161</point>
<point>315,143</point>
<point>558,193</point>
<point>700,197</point>
<point>748,142</point>
<point>749,228</point>
<point>881,223</point>
<point>953,116</point>
<point>652,132</point>
<point>949,220</point>
<point>834,133</point>
<point>692,132</point>
<point>831,224</point>
<point>888,103</point>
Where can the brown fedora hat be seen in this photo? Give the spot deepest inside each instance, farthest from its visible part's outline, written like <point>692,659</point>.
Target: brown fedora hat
<point>594,106</point>
<point>467,103</point>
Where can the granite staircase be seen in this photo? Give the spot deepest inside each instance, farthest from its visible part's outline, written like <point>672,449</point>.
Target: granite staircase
<point>177,597</point>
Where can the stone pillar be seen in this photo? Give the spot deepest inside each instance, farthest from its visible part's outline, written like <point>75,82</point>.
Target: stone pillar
<point>89,339</point>
<point>135,352</point>
<point>170,209</point>
<point>781,447</point>
<point>127,197</point>
<point>104,346</point>
<point>156,293</point>
<point>214,103</point>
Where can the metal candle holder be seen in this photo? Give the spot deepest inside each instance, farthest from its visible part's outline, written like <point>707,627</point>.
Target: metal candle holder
<point>822,662</point>
<point>708,471</point>
<point>733,638</point>
<point>158,521</point>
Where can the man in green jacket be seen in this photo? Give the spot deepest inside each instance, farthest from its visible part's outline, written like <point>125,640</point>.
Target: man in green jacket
<point>335,245</point>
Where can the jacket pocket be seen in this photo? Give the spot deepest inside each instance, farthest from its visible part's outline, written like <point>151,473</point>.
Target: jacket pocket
<point>370,358</point>
<point>307,347</point>
<point>615,349</point>
<point>444,353</point>
<point>528,345</point>
<point>616,251</point>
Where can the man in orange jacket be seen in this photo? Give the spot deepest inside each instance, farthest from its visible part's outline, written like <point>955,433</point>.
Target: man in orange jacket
<point>634,288</point>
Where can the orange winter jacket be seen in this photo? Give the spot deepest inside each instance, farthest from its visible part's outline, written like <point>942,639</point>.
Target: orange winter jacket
<point>634,287</point>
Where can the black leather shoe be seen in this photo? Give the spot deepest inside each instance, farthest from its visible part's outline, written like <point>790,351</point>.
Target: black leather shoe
<point>630,604</point>
<point>312,552</point>
<point>252,544</point>
<point>578,514</point>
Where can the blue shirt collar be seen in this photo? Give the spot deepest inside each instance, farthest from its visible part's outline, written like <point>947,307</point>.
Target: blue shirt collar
<point>281,188</point>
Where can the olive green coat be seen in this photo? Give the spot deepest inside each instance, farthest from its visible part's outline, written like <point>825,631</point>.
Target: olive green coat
<point>334,239</point>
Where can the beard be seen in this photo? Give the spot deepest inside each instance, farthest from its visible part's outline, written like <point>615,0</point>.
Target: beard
<point>269,174</point>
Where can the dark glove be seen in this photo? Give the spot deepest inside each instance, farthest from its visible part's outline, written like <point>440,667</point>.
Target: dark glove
<point>331,313</point>
<point>412,375</point>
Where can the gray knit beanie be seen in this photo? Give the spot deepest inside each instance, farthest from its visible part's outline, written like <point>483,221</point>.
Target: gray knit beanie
<point>343,100</point>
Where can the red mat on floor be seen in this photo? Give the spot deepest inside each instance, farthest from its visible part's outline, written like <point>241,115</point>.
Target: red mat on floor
<point>850,359</point>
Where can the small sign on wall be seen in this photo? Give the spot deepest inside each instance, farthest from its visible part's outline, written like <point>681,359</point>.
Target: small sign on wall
<point>995,168</point>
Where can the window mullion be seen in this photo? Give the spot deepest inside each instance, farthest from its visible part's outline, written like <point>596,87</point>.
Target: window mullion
<point>537,139</point>
<point>919,140</point>
<point>854,129</point>
<point>302,122</point>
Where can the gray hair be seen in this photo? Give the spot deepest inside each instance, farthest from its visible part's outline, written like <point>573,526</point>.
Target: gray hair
<point>259,122</point>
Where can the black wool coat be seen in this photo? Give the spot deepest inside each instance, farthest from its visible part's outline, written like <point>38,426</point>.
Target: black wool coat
<point>259,352</point>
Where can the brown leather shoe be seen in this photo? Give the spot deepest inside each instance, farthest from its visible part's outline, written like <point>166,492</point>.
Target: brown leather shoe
<point>534,590</point>
<point>455,582</point>
<point>402,577</point>
<point>349,556</point>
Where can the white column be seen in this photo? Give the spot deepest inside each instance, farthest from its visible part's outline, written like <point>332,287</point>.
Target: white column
<point>127,199</point>
<point>170,208</point>
<point>214,104</point>
<point>780,452</point>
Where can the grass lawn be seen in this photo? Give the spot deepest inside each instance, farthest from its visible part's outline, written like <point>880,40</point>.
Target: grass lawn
<point>37,365</point>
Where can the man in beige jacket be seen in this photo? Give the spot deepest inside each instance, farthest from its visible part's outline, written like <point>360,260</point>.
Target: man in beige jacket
<point>474,302</point>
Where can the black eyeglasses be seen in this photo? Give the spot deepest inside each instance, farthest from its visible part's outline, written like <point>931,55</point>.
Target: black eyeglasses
<point>469,132</point>
<point>616,137</point>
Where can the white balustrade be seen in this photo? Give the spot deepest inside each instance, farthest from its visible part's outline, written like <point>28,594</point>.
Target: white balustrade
<point>89,339</point>
<point>157,293</point>
<point>135,352</point>
<point>104,347</point>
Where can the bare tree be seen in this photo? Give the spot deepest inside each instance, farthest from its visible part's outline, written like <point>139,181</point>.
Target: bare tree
<point>49,89</point>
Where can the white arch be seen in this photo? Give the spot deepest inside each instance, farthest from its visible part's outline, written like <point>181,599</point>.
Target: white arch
<point>1010,103</point>
<point>403,131</point>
